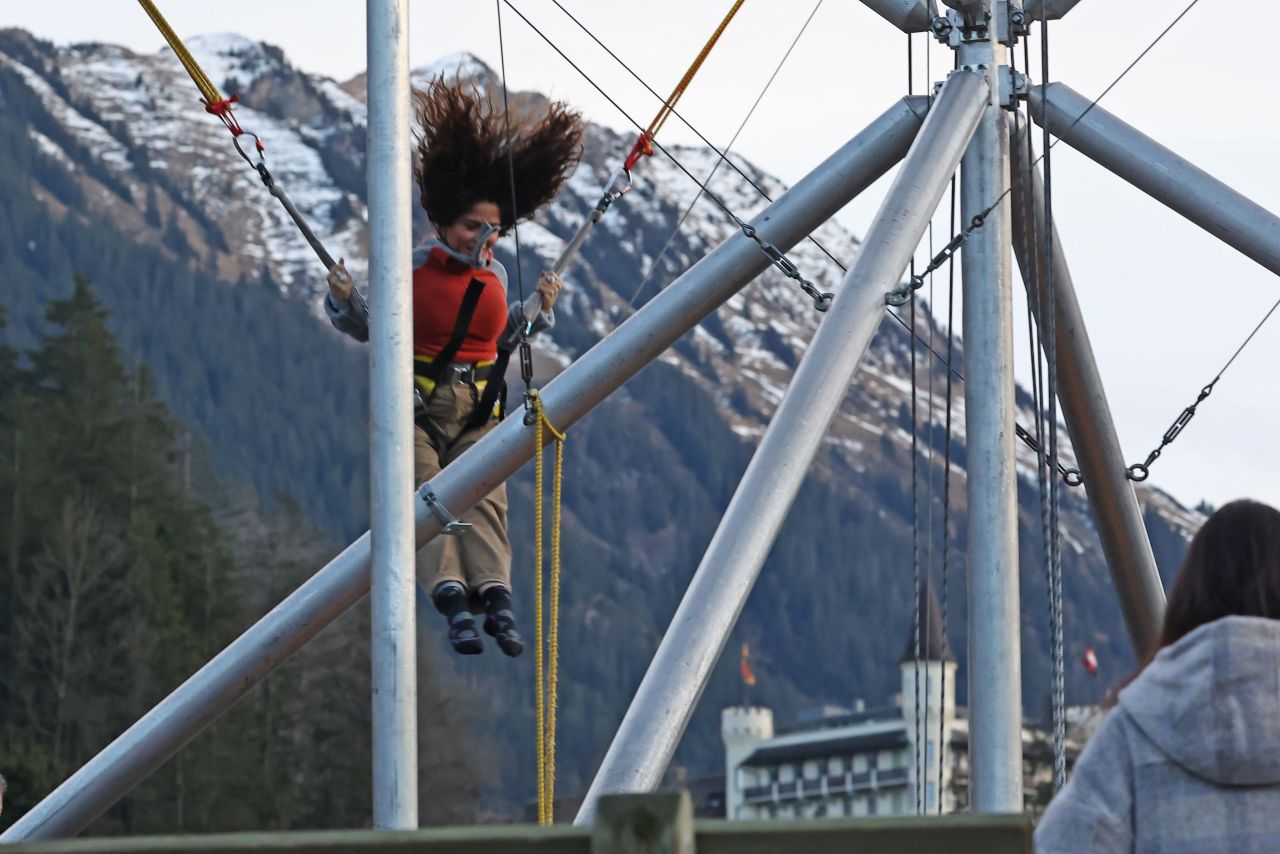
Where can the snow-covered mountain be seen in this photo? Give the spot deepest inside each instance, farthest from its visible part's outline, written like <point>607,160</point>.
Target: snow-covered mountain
<point>131,129</point>
<point>139,116</point>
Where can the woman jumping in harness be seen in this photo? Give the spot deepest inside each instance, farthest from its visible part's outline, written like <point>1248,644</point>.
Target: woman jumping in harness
<point>463,329</point>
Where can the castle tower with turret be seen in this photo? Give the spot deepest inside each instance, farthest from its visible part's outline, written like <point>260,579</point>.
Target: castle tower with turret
<point>743,729</point>
<point>928,670</point>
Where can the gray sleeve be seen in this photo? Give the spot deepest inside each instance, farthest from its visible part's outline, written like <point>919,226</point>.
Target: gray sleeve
<point>515,315</point>
<point>350,317</point>
<point>1094,813</point>
<point>515,321</point>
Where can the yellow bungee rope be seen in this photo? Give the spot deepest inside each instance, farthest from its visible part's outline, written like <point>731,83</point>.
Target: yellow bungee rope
<point>547,654</point>
<point>644,145</point>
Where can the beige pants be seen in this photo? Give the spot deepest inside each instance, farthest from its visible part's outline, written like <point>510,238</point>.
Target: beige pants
<point>481,557</point>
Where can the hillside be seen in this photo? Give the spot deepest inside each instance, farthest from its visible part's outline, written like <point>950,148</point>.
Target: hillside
<point>117,173</point>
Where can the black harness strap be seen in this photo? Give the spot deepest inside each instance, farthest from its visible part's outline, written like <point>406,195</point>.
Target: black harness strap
<point>434,371</point>
<point>495,390</point>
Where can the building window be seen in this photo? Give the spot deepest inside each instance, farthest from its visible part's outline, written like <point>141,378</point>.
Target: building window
<point>873,761</point>
<point>860,763</point>
<point>811,770</point>
<point>871,804</point>
<point>930,753</point>
<point>835,766</point>
<point>787,773</point>
<point>886,759</point>
<point>931,796</point>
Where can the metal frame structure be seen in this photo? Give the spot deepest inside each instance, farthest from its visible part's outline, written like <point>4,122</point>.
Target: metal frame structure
<point>969,123</point>
<point>660,711</point>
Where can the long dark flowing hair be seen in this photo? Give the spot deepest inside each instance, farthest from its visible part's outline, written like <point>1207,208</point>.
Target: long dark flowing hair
<point>469,148</point>
<point>1232,568</point>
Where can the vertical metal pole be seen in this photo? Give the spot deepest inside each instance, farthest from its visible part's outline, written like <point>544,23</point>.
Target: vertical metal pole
<point>1088,416</point>
<point>995,671</point>
<point>395,708</point>
<point>693,642</point>
<point>343,581</point>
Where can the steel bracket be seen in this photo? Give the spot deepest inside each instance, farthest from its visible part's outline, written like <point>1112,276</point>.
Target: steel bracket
<point>1014,87</point>
<point>451,526</point>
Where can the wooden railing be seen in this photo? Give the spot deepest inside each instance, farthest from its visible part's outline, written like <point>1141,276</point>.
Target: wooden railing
<point>629,824</point>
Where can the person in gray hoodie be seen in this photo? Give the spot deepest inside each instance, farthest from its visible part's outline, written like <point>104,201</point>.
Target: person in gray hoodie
<point>1188,759</point>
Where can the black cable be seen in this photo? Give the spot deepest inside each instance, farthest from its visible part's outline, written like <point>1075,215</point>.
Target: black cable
<point>750,232</point>
<point>1163,33</point>
<point>946,497</point>
<point>1095,101</point>
<point>724,156</point>
<point>670,109</point>
<point>918,758</point>
<point>511,171</point>
<point>1239,349</point>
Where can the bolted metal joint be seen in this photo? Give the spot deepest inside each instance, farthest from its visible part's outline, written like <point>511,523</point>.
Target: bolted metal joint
<point>1019,20</point>
<point>1014,87</point>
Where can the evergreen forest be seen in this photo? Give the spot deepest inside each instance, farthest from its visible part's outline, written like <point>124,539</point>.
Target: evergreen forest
<point>178,452</point>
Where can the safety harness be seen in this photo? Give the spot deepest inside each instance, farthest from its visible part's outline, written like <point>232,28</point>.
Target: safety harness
<point>487,378</point>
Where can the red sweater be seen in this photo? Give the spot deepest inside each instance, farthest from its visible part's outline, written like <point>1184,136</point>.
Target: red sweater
<point>438,288</point>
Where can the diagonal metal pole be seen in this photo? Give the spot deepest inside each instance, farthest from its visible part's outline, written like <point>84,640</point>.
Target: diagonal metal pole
<point>910,16</point>
<point>995,659</point>
<point>344,580</point>
<point>657,717</point>
<point>1088,415</point>
<point>1157,171</point>
<point>1051,10</point>
<point>393,648</point>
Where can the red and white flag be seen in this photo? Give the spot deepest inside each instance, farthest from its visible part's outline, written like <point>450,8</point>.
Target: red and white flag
<point>748,675</point>
<point>1090,661</point>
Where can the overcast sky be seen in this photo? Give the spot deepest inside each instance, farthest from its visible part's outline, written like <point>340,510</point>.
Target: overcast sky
<point>1166,303</point>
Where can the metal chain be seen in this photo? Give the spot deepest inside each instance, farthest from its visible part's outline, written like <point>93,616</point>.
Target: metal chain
<point>1049,350</point>
<point>1139,472</point>
<point>821,299</point>
<point>900,295</point>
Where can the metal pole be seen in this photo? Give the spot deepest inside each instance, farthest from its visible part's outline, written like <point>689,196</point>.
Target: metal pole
<point>676,677</point>
<point>1154,169</point>
<point>910,16</point>
<point>995,674</point>
<point>1048,10</point>
<point>1088,416</point>
<point>395,682</point>
<point>600,371</point>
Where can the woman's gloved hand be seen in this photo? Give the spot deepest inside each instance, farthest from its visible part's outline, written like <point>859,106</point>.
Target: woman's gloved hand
<point>340,281</point>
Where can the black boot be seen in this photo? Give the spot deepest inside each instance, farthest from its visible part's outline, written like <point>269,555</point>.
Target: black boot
<point>450,599</point>
<point>500,622</point>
